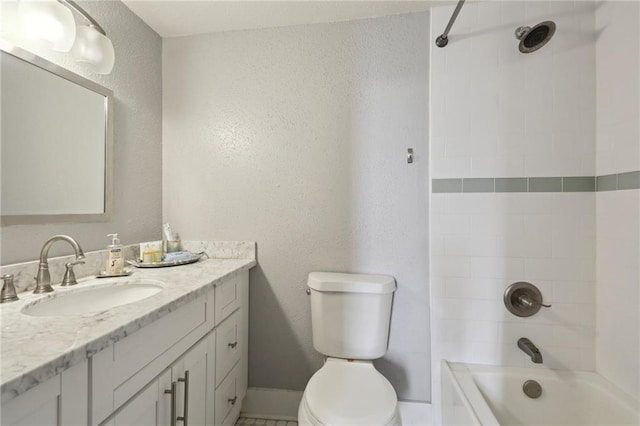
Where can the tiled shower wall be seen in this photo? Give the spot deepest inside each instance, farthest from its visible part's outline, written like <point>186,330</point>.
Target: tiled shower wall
<point>496,113</point>
<point>618,212</point>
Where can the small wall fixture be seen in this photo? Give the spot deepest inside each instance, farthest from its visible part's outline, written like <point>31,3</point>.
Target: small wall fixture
<point>52,22</point>
<point>523,299</point>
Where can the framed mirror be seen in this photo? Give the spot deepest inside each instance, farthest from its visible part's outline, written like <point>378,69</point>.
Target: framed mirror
<point>56,142</point>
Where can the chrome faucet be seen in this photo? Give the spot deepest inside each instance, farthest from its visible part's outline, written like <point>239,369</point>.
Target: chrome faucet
<point>530,349</point>
<point>43,279</point>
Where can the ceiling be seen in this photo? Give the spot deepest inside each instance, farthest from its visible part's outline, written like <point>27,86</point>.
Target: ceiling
<point>174,18</point>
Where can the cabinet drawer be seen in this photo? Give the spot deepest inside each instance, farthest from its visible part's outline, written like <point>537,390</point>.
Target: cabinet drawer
<point>229,346</point>
<point>228,400</point>
<point>227,298</point>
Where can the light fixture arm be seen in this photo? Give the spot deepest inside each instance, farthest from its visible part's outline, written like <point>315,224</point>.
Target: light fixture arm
<point>92,22</point>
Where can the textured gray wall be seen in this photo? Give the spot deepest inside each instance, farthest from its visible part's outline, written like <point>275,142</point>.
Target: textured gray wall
<point>296,138</point>
<point>136,81</point>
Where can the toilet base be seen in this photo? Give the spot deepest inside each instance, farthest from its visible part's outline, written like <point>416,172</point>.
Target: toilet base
<point>305,418</point>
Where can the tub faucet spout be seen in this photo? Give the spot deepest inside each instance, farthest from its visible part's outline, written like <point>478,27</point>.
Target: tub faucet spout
<point>530,349</point>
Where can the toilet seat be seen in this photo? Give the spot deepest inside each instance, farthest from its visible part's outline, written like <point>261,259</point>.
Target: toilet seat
<point>346,392</point>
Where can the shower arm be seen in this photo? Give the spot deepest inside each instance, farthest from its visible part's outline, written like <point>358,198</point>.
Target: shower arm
<point>442,39</point>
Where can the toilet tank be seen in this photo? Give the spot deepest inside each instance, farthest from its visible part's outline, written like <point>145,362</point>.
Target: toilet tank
<point>350,314</point>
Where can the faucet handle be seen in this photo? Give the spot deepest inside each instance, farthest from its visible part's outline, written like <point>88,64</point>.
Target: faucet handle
<point>8,292</point>
<point>69,276</point>
<point>523,299</point>
<point>527,301</point>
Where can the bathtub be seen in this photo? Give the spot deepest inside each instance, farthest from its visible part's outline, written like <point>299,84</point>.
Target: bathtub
<point>490,395</point>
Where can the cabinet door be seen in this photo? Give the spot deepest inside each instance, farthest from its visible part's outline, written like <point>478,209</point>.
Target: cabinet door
<point>37,406</point>
<point>190,374</point>
<point>142,410</point>
<point>195,368</point>
<point>61,400</point>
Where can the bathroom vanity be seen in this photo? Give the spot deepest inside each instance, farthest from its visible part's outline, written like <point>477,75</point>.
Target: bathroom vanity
<point>176,357</point>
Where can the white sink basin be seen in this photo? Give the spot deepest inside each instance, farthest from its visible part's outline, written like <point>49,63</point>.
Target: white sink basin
<point>93,299</point>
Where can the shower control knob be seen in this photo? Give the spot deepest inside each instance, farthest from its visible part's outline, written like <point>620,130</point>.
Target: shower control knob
<point>523,299</point>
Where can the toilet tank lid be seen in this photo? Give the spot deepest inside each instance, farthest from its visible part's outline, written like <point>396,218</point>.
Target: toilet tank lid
<point>351,283</point>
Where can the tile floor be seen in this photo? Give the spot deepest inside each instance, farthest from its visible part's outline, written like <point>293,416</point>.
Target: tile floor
<point>247,421</point>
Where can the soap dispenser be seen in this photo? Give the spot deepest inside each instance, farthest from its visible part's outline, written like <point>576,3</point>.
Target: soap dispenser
<point>115,256</point>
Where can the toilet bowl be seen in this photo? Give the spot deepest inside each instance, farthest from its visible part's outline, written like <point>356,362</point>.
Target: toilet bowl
<point>345,392</point>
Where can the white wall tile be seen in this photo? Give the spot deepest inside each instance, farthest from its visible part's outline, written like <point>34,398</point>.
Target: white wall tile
<point>529,244</point>
<point>573,292</point>
<point>451,167</point>
<point>542,335</point>
<point>617,290</point>
<point>492,94</point>
<point>453,309</point>
<point>496,267</point>
<point>575,336</point>
<point>470,245</point>
<point>471,288</point>
<point>618,87</point>
<point>497,224</point>
<point>575,247</point>
<point>496,165</point>
<point>450,224</point>
<point>572,109</point>
<point>449,266</point>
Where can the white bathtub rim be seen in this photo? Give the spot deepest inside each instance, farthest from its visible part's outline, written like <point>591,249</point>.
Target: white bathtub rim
<point>473,400</point>
<point>544,372</point>
<point>461,375</point>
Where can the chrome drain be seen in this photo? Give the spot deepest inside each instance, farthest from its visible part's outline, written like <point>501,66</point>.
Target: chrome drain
<point>532,389</point>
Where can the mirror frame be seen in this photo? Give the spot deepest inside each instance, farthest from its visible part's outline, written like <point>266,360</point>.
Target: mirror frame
<point>33,59</point>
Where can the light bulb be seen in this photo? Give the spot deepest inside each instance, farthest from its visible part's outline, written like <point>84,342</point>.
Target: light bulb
<point>49,21</point>
<point>93,48</point>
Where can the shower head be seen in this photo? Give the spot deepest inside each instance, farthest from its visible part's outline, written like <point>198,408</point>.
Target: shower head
<point>533,38</point>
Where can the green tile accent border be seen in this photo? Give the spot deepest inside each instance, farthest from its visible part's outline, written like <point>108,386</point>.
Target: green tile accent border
<point>478,184</point>
<point>511,185</point>
<point>614,182</point>
<point>629,180</point>
<point>579,184</point>
<point>439,186</point>
<point>607,183</point>
<point>545,184</point>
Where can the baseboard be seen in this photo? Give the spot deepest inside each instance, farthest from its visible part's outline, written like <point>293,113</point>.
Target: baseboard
<point>415,413</point>
<point>280,404</point>
<point>267,403</point>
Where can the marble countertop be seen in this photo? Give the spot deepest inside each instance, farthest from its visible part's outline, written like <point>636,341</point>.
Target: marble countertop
<point>34,349</point>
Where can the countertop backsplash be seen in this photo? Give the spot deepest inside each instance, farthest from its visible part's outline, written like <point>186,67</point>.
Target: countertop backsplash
<point>24,273</point>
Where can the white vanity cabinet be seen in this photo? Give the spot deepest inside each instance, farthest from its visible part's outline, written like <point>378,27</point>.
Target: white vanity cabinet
<point>192,339</point>
<point>179,394</point>
<point>191,363</point>
<point>61,400</point>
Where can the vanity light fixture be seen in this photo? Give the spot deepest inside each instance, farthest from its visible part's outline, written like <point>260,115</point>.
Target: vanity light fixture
<point>52,21</point>
<point>48,21</point>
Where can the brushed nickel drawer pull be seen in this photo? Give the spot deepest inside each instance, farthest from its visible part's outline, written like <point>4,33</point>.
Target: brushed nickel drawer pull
<point>172,391</point>
<point>185,418</point>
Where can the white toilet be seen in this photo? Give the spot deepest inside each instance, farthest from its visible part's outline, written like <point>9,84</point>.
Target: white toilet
<point>350,318</point>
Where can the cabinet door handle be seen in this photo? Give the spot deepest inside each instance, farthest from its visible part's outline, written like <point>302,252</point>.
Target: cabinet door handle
<point>172,391</point>
<point>233,400</point>
<point>185,418</point>
<point>233,345</point>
